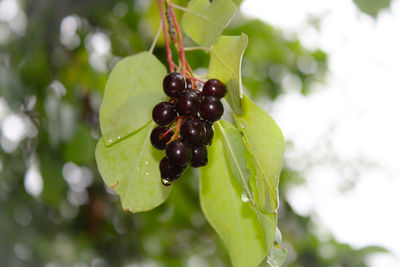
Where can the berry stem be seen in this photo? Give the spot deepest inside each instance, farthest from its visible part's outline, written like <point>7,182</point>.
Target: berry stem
<point>198,80</point>
<point>167,48</point>
<point>169,130</point>
<point>180,39</point>
<point>178,129</point>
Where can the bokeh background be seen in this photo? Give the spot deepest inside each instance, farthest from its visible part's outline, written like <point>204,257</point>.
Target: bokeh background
<point>327,72</point>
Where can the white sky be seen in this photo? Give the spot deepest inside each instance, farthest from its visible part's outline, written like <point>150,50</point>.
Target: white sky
<point>348,130</point>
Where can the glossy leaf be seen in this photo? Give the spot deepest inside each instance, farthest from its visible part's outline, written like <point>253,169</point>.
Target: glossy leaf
<point>234,151</point>
<point>266,144</point>
<point>225,65</point>
<point>242,167</point>
<point>238,2</point>
<point>205,21</point>
<point>130,167</point>
<point>372,7</point>
<point>133,88</point>
<point>233,219</point>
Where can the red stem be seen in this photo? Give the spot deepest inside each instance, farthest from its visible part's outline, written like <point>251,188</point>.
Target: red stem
<point>197,80</point>
<point>169,130</point>
<point>178,31</point>
<point>178,129</point>
<point>168,49</point>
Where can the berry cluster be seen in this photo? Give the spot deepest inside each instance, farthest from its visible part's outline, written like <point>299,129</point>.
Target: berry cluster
<point>185,123</point>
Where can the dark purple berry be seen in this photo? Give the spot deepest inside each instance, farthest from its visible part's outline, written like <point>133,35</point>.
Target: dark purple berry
<point>209,132</point>
<point>178,153</point>
<point>164,113</point>
<point>199,156</point>
<point>169,171</point>
<point>193,131</point>
<point>188,103</point>
<point>160,136</point>
<point>173,84</point>
<point>189,85</point>
<point>198,93</point>
<point>214,87</point>
<point>211,109</point>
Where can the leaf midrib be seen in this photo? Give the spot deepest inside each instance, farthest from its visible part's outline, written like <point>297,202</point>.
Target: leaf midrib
<point>138,161</point>
<point>227,141</point>
<point>234,206</point>
<point>270,188</point>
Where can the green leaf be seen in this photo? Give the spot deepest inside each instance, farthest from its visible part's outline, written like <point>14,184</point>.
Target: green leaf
<point>234,151</point>
<point>205,21</point>
<point>225,65</point>
<point>234,220</point>
<point>266,144</point>
<point>238,2</point>
<point>133,88</point>
<point>130,167</point>
<point>240,162</point>
<point>372,7</point>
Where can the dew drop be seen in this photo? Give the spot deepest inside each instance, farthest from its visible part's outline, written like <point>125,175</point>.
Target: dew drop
<point>243,125</point>
<point>110,140</point>
<point>137,168</point>
<point>147,173</point>
<point>165,182</point>
<point>146,163</point>
<point>118,137</point>
<point>245,197</point>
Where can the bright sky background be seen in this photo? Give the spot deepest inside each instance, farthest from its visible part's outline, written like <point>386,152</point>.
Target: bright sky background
<point>348,130</point>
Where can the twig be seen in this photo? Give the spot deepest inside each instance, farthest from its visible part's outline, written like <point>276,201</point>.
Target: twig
<point>167,48</point>
<point>178,31</point>
<point>171,31</point>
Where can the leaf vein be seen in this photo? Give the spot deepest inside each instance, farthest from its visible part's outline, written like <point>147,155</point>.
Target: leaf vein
<point>235,208</point>
<point>138,162</point>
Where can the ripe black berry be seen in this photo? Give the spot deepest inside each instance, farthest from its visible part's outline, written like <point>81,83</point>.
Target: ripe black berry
<point>188,103</point>
<point>209,132</point>
<point>211,109</point>
<point>199,157</point>
<point>189,84</point>
<point>164,113</point>
<point>173,84</point>
<point>178,153</point>
<point>193,131</point>
<point>214,87</point>
<point>160,136</point>
<point>169,171</point>
<point>197,92</point>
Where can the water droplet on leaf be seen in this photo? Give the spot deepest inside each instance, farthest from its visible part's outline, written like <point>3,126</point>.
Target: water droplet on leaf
<point>245,197</point>
<point>146,162</point>
<point>147,173</point>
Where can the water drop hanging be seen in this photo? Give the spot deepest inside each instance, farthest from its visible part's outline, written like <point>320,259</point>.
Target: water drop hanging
<point>245,197</point>
<point>165,182</point>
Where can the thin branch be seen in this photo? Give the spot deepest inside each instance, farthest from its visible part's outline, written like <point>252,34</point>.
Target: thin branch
<point>171,31</point>
<point>167,48</point>
<point>180,39</point>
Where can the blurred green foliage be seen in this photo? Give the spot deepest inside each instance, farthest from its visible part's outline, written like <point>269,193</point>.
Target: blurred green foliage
<point>52,73</point>
<point>372,7</point>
